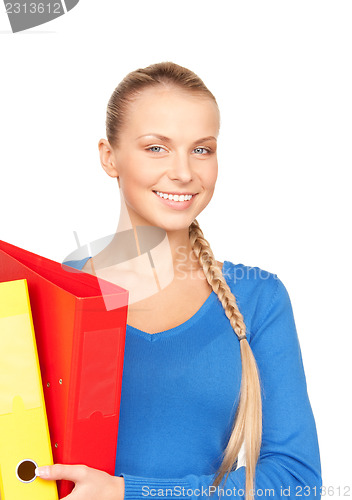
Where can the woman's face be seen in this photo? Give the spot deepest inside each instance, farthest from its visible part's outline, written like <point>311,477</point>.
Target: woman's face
<point>167,145</point>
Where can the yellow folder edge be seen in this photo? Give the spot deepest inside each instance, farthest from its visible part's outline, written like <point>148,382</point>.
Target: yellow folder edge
<point>24,432</point>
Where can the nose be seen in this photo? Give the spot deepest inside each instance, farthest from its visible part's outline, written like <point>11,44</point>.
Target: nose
<point>180,168</point>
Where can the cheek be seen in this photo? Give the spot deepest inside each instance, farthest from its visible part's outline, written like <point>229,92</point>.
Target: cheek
<point>134,175</point>
<point>210,175</point>
<point>139,171</point>
<point>135,186</point>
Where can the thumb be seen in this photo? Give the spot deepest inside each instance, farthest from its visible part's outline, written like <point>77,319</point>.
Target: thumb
<point>54,472</point>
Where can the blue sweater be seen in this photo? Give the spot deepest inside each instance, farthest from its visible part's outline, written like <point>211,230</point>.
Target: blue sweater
<point>180,391</point>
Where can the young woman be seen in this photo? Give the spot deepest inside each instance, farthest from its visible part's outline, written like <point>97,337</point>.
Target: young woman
<point>212,358</point>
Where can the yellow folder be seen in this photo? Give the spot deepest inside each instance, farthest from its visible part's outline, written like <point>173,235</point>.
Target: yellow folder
<point>24,433</point>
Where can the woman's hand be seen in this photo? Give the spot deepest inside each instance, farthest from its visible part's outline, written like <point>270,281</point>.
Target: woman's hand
<point>90,484</point>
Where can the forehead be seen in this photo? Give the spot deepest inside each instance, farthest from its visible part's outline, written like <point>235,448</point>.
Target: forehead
<point>170,110</point>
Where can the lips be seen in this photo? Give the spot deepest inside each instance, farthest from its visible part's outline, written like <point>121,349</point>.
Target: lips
<point>173,192</point>
<point>176,205</point>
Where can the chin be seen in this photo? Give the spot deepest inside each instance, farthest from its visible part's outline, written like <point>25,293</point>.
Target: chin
<point>176,225</point>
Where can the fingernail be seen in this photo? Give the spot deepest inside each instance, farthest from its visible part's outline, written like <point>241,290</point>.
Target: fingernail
<point>42,472</point>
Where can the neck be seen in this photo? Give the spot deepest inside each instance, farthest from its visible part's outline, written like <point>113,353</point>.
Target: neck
<point>164,247</point>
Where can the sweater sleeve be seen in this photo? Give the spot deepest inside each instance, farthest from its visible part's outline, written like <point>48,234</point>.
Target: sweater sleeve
<point>289,461</point>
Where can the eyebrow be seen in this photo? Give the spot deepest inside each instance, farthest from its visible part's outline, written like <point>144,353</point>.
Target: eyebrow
<point>167,139</point>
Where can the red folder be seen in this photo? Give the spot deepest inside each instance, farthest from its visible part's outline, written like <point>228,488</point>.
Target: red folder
<point>81,349</point>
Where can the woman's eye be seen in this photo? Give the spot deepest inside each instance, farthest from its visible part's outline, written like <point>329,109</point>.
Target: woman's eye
<point>154,148</point>
<point>204,149</point>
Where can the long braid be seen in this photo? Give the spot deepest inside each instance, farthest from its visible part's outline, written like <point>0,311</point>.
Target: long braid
<point>247,425</point>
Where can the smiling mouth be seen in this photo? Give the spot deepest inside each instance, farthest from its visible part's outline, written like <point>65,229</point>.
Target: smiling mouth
<point>174,196</point>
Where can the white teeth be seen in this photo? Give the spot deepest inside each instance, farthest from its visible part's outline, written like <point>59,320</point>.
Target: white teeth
<point>176,197</point>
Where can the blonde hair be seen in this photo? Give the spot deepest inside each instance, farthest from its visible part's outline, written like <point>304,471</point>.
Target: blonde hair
<point>247,425</point>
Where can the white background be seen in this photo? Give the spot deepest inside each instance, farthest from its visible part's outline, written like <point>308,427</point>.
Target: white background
<point>281,73</point>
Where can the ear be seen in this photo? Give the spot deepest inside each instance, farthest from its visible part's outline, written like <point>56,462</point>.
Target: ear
<point>107,158</point>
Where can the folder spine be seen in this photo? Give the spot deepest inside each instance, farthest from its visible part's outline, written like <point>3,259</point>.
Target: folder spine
<point>73,382</point>
<point>42,396</point>
<point>24,430</point>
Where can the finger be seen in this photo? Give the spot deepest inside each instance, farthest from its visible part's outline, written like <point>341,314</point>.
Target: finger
<point>75,473</point>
